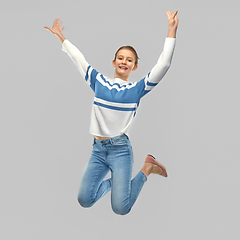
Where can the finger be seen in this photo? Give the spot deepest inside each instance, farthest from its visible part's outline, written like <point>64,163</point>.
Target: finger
<point>176,12</point>
<point>47,28</point>
<point>55,22</point>
<point>62,29</point>
<point>168,13</point>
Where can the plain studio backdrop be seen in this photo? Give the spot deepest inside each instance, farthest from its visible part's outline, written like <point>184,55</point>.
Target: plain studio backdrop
<point>190,121</point>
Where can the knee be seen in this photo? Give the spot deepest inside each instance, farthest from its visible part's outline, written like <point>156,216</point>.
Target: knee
<point>84,201</point>
<point>121,210</point>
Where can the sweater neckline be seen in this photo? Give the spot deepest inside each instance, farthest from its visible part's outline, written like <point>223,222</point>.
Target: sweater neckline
<point>119,80</point>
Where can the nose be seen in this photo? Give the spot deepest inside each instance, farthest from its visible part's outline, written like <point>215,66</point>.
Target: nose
<point>124,61</point>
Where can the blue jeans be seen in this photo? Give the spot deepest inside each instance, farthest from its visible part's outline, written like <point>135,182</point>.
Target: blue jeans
<point>115,155</point>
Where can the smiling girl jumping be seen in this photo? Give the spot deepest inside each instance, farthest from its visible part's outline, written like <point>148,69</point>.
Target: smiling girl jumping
<point>114,107</point>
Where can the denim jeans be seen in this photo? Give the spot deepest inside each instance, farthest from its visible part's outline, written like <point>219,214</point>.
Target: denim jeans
<point>114,155</point>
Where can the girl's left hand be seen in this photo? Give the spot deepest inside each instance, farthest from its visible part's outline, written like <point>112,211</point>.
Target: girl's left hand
<point>172,19</point>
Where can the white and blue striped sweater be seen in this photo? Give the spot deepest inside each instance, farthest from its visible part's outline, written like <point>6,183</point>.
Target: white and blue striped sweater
<point>116,101</point>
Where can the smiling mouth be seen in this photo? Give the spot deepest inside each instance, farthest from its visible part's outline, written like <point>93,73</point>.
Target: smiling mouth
<point>123,68</point>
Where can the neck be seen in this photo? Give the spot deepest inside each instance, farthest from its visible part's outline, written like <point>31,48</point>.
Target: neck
<point>124,78</point>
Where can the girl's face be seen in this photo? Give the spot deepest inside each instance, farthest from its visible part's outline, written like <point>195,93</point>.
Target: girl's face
<point>124,64</point>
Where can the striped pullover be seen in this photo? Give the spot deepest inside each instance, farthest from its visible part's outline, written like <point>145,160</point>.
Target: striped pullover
<point>116,101</point>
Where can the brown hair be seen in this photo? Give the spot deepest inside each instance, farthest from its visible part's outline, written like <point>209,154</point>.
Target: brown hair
<point>128,48</point>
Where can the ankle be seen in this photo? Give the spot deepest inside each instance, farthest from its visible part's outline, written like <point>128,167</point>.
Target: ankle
<point>147,169</point>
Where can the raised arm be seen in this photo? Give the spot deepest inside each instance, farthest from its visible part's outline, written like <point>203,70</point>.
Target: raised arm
<point>165,59</point>
<point>73,52</point>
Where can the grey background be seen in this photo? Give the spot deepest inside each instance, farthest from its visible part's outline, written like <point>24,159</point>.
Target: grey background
<point>190,122</point>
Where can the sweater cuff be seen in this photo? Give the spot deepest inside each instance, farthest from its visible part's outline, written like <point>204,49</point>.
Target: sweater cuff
<point>171,39</point>
<point>170,42</point>
<point>65,42</point>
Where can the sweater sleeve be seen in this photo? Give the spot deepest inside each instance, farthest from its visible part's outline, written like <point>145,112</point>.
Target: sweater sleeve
<point>76,56</point>
<point>161,68</point>
<point>87,72</point>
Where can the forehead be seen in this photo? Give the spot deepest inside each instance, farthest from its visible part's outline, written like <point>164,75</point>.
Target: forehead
<point>126,53</point>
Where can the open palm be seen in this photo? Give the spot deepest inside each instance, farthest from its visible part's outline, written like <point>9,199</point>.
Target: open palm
<point>56,28</point>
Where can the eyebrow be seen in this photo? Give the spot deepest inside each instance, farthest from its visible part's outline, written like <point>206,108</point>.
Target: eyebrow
<point>123,56</point>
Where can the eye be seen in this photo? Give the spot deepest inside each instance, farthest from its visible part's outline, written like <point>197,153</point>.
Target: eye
<point>130,60</point>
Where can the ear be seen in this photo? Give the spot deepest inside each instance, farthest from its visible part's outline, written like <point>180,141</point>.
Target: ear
<point>113,63</point>
<point>135,67</point>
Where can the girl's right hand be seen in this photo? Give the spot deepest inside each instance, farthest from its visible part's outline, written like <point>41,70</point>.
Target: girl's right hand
<point>56,28</point>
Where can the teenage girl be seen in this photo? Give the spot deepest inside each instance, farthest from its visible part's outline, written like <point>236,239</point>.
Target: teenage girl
<point>114,106</point>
